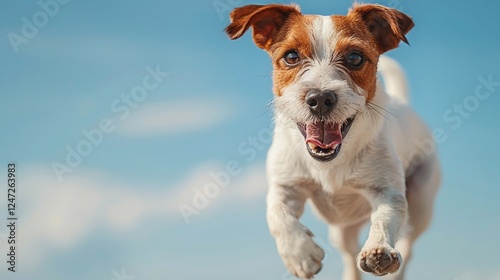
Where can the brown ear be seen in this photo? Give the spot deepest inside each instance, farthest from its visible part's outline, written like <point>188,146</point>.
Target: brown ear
<point>388,26</point>
<point>265,20</point>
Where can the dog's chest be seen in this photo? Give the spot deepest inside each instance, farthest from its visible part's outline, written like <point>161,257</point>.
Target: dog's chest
<point>332,179</point>
<point>343,206</point>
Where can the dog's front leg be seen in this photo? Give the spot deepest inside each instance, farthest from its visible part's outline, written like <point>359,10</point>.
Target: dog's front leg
<point>295,245</point>
<point>378,255</point>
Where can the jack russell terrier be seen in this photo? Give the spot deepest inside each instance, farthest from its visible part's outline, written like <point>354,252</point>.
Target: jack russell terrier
<point>340,139</point>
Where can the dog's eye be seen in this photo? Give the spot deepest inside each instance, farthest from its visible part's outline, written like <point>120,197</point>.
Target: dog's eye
<point>291,58</point>
<point>355,60</point>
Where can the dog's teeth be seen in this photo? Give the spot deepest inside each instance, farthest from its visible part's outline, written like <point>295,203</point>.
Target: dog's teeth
<point>312,146</point>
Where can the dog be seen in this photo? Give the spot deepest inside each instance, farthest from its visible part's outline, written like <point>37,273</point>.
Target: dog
<point>342,140</point>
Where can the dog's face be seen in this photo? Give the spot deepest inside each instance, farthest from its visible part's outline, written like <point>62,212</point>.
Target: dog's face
<point>324,66</point>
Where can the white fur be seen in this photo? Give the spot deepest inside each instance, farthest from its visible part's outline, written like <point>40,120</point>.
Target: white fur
<point>376,177</point>
<point>394,79</point>
<point>323,37</point>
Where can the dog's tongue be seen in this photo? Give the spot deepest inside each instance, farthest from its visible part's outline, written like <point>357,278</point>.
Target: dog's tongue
<point>323,135</point>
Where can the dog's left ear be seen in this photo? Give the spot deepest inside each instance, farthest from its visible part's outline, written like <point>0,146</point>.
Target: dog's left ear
<point>388,26</point>
<point>265,20</point>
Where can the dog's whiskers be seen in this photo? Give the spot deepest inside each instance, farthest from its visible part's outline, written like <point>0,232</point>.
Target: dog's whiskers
<point>382,108</point>
<point>373,108</point>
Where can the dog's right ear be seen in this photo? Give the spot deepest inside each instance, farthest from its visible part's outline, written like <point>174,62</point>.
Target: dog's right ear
<point>265,20</point>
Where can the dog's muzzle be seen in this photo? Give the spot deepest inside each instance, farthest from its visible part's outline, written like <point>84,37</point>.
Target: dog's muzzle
<point>324,140</point>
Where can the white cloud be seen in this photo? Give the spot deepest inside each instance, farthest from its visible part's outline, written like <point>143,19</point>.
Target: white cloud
<point>84,48</point>
<point>60,215</point>
<point>173,117</point>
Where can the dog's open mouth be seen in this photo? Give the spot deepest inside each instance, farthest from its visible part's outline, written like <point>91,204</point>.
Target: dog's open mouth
<point>324,140</point>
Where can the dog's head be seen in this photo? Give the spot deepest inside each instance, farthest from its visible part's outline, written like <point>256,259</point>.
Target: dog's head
<point>324,66</point>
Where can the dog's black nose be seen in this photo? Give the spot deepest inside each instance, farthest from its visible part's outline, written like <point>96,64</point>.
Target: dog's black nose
<point>321,102</point>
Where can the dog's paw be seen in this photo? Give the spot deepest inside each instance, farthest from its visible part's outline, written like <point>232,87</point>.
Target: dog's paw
<point>379,260</point>
<point>300,254</point>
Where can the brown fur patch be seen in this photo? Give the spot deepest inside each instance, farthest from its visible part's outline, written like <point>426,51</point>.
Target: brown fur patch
<point>371,30</point>
<point>387,26</point>
<point>295,35</point>
<point>367,29</point>
<point>265,20</point>
<point>354,36</point>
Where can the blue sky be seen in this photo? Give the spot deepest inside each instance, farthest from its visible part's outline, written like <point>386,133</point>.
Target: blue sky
<point>116,212</point>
